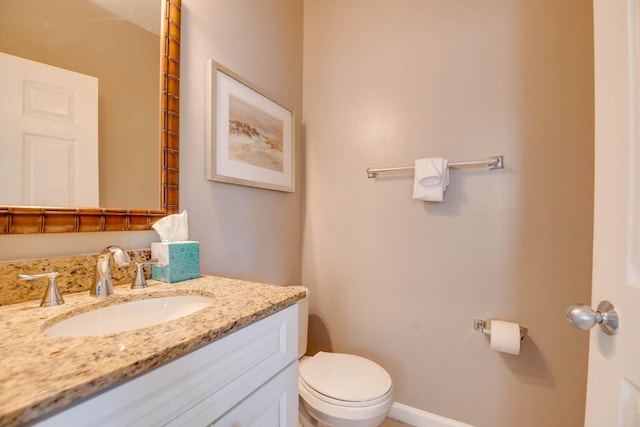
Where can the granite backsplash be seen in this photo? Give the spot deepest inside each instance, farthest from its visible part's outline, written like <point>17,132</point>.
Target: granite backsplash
<point>75,275</point>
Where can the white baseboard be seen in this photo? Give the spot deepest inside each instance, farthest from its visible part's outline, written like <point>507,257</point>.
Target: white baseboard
<point>419,418</point>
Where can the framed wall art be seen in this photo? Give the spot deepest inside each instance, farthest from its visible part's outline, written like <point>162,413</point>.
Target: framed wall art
<point>250,134</point>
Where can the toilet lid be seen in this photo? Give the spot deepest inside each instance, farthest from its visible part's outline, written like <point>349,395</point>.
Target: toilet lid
<point>345,377</point>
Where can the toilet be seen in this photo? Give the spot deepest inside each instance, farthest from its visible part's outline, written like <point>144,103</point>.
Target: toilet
<point>337,389</point>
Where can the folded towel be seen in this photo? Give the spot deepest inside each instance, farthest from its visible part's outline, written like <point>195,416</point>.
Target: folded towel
<point>431,179</point>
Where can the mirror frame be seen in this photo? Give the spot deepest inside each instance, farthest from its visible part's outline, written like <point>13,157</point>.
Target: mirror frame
<point>30,220</point>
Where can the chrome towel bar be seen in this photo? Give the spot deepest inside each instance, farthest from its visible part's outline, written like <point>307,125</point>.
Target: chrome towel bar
<point>495,162</point>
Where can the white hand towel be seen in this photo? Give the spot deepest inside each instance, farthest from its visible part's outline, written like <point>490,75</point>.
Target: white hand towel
<point>431,179</point>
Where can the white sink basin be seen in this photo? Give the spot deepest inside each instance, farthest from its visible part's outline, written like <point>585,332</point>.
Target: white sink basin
<point>128,316</point>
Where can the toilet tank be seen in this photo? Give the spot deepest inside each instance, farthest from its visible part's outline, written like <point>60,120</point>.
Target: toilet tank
<point>303,321</point>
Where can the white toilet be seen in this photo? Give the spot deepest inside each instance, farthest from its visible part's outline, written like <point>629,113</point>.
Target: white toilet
<point>339,389</point>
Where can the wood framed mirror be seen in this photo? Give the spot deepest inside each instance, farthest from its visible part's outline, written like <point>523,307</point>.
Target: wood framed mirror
<point>30,219</point>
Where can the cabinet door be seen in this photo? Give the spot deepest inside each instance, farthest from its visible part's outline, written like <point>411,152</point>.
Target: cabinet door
<point>275,404</point>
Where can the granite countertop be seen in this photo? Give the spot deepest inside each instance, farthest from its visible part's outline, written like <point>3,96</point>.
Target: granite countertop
<point>40,374</point>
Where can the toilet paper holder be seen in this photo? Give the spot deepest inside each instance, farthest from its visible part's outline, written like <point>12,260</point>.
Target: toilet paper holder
<point>480,325</point>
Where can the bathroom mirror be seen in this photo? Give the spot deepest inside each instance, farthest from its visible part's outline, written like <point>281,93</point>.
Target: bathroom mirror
<point>114,216</point>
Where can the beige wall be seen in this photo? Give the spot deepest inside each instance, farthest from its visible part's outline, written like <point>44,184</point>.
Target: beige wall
<point>245,232</point>
<point>78,35</point>
<point>400,281</point>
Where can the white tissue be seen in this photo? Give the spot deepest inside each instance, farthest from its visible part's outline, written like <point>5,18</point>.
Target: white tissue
<point>173,228</point>
<point>431,179</point>
<point>505,337</point>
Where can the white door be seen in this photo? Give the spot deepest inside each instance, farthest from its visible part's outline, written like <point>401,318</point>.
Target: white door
<point>613,390</point>
<point>48,135</point>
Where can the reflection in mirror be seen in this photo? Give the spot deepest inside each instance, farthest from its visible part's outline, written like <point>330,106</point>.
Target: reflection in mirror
<point>120,48</point>
<point>137,110</point>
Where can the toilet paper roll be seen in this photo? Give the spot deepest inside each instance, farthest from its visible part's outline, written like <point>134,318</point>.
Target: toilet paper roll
<point>505,337</point>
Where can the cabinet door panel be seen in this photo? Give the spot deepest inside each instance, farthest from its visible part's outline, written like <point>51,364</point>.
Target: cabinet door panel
<point>275,404</point>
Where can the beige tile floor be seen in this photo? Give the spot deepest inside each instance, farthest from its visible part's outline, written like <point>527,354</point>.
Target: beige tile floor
<point>393,423</point>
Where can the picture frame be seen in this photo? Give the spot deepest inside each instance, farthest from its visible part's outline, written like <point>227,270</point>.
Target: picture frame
<point>250,134</point>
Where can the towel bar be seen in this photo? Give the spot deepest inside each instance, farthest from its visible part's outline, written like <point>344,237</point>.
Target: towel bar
<point>495,162</point>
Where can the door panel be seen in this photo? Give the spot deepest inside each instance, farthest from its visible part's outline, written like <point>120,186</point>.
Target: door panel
<point>614,361</point>
<point>48,135</point>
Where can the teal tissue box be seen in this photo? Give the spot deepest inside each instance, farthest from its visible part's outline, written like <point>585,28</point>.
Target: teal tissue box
<point>177,261</point>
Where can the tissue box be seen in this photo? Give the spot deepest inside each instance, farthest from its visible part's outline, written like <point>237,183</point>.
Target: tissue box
<point>178,261</point>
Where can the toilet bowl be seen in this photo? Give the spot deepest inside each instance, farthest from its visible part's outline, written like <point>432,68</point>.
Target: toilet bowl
<point>337,389</point>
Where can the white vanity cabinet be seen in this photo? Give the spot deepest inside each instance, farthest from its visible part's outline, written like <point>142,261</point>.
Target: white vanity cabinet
<point>247,378</point>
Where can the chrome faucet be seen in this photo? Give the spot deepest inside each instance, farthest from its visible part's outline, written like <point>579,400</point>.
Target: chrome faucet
<point>102,285</point>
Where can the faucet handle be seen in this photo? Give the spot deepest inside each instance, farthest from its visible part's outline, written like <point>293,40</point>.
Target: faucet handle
<point>52,296</point>
<point>140,282</point>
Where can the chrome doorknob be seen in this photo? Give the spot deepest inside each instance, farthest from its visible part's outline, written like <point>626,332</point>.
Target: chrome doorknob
<point>584,317</point>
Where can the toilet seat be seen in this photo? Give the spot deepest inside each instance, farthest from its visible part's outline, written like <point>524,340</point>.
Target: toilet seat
<point>345,379</point>
<point>336,402</point>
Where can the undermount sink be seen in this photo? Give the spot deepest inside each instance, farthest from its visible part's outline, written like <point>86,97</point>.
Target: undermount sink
<point>128,316</point>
